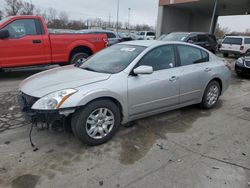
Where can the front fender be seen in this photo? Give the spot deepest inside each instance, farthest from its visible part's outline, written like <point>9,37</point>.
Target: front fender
<point>81,99</point>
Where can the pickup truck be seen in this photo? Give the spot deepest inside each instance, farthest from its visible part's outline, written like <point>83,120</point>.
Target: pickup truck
<point>26,41</point>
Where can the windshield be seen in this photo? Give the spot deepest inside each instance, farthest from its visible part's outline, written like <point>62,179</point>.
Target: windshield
<point>175,37</point>
<point>113,59</point>
<point>3,20</point>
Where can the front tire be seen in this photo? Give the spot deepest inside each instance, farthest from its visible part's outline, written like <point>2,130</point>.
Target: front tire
<point>97,122</point>
<point>211,95</point>
<point>79,58</point>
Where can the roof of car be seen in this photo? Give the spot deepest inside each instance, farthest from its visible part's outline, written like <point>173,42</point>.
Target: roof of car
<point>189,33</point>
<point>148,43</point>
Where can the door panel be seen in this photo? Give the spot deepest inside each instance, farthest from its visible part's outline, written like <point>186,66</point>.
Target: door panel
<point>192,81</point>
<point>24,46</point>
<point>157,90</point>
<point>193,72</point>
<point>150,92</point>
<point>20,52</point>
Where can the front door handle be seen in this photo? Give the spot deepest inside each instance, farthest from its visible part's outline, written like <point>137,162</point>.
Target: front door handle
<point>207,69</point>
<point>173,79</point>
<point>37,41</point>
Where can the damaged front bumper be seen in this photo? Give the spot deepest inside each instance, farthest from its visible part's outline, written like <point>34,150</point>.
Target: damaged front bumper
<point>40,116</point>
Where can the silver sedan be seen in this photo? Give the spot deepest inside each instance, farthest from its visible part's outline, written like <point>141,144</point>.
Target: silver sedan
<point>122,83</point>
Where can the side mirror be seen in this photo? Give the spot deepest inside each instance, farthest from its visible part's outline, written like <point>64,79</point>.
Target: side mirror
<point>190,41</point>
<point>143,70</point>
<point>4,34</point>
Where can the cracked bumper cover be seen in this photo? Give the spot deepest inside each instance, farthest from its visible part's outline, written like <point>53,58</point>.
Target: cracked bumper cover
<point>37,116</point>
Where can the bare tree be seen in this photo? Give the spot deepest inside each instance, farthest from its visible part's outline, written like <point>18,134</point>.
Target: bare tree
<point>51,14</point>
<point>221,31</point>
<point>13,7</point>
<point>63,16</point>
<point>27,9</point>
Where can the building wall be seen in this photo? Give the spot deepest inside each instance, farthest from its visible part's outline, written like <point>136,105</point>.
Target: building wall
<point>172,19</point>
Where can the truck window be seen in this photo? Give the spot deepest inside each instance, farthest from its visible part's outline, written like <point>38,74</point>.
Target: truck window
<point>247,40</point>
<point>21,28</point>
<point>111,35</point>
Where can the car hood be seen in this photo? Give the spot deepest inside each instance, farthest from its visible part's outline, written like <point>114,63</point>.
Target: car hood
<point>57,79</point>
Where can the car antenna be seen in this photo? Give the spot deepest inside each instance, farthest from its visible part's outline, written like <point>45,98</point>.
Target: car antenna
<point>31,143</point>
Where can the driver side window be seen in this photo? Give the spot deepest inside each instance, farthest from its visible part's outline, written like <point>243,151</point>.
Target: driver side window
<point>21,28</point>
<point>159,58</point>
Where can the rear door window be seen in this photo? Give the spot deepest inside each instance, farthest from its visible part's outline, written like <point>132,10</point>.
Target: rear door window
<point>231,40</point>
<point>191,55</point>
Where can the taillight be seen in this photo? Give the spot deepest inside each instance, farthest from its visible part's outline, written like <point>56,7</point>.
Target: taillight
<point>106,41</point>
<point>241,47</point>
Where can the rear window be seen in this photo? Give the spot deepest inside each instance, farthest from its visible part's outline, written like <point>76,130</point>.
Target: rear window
<point>203,38</point>
<point>247,40</point>
<point>231,40</point>
<point>150,34</point>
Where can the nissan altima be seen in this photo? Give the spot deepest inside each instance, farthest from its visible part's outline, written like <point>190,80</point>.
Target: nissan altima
<point>122,83</point>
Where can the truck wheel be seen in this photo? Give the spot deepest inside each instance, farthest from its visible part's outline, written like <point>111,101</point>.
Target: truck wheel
<point>97,122</point>
<point>79,58</point>
<point>225,54</point>
<point>211,95</point>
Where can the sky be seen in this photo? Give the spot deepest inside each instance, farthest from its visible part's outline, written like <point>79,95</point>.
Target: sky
<point>142,11</point>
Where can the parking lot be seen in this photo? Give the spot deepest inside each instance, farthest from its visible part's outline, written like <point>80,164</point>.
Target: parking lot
<point>189,147</point>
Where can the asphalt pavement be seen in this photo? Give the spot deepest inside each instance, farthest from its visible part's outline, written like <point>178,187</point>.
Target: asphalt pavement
<point>186,148</point>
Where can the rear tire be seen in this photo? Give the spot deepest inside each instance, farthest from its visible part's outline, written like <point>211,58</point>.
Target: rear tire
<point>79,58</point>
<point>97,122</point>
<point>225,54</point>
<point>211,95</point>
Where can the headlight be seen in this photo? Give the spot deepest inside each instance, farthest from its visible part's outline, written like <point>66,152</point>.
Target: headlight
<point>54,100</point>
<point>240,61</point>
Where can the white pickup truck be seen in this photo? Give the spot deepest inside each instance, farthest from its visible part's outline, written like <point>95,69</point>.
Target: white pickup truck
<point>237,45</point>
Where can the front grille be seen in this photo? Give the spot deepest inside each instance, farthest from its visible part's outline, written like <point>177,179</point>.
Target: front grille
<point>26,101</point>
<point>247,63</point>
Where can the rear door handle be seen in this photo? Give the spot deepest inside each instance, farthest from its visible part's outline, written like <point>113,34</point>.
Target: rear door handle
<point>173,79</point>
<point>207,69</point>
<point>37,41</point>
